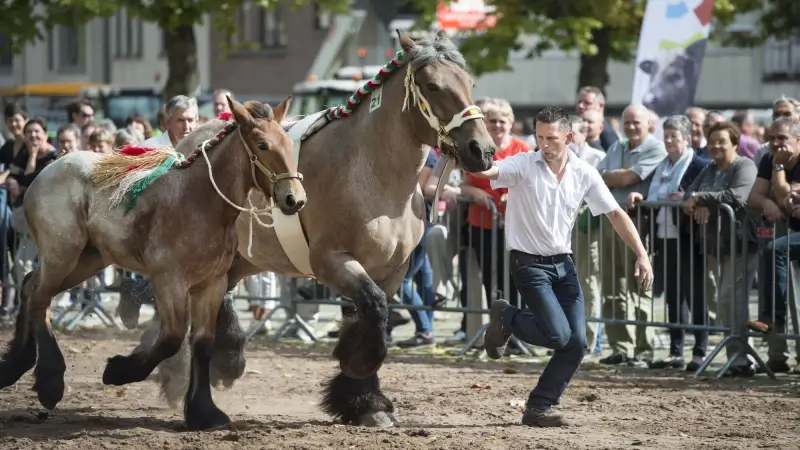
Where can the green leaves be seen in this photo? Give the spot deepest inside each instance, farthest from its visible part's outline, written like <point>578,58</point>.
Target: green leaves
<point>571,25</point>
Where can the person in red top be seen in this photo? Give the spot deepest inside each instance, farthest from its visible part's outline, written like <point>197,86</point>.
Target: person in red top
<point>499,118</point>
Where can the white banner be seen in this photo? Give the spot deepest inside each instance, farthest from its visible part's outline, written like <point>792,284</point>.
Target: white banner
<point>670,54</point>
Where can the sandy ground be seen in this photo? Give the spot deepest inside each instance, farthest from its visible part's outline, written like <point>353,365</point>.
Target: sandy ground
<point>443,402</point>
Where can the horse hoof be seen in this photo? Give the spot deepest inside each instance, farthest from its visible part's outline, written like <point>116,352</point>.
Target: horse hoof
<point>208,418</point>
<point>121,370</point>
<point>378,419</point>
<point>50,391</point>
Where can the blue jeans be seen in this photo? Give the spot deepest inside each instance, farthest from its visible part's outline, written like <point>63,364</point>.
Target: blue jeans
<point>556,321</point>
<point>774,264</point>
<point>421,274</point>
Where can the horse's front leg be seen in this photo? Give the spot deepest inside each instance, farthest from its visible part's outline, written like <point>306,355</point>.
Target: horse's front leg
<point>172,302</point>
<point>358,400</point>
<point>199,409</point>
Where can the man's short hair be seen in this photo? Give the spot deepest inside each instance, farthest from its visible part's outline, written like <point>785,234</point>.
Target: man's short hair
<point>791,123</point>
<point>554,114</point>
<point>179,103</point>
<point>578,124</point>
<point>601,98</point>
<point>75,107</point>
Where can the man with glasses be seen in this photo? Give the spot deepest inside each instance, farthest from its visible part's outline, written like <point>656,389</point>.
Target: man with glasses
<point>80,112</point>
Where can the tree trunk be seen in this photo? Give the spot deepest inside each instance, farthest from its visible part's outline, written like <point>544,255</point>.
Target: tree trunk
<point>181,48</point>
<point>594,68</point>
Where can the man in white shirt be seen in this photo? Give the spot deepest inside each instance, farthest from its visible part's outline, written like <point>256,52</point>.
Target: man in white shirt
<point>545,191</point>
<point>181,117</point>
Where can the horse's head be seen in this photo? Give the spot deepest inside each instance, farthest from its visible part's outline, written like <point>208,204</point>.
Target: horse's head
<point>270,151</point>
<point>438,83</point>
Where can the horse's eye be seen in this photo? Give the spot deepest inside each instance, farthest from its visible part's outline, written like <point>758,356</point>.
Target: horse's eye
<point>433,87</point>
<point>262,146</point>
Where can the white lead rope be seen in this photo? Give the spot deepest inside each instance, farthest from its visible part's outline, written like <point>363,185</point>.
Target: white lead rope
<point>252,211</point>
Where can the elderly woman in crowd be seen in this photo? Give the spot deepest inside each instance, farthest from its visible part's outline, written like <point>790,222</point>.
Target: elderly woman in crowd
<point>684,286</point>
<point>727,181</point>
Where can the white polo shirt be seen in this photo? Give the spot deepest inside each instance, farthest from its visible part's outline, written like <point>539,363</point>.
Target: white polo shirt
<point>162,140</point>
<point>540,210</point>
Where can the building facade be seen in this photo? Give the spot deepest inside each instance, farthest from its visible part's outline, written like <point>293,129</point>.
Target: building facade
<point>118,50</point>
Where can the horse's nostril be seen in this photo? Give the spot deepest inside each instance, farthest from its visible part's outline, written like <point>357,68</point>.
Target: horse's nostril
<point>474,147</point>
<point>291,201</point>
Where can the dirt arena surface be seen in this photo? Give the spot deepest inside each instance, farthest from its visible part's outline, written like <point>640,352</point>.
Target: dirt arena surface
<point>442,402</point>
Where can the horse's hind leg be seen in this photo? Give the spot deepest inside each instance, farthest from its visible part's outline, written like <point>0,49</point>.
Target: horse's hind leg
<point>172,302</point>
<point>200,412</point>
<point>362,345</point>
<point>42,287</point>
<point>228,361</point>
<point>20,356</point>
<point>359,401</point>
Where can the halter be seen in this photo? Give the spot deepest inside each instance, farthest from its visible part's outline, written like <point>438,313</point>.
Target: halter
<point>414,96</point>
<point>252,211</point>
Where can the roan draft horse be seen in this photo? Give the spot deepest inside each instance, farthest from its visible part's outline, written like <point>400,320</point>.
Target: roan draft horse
<point>152,212</point>
<point>365,210</point>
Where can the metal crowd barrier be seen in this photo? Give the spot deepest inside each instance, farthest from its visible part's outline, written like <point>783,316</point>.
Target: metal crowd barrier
<point>714,267</point>
<point>604,269</point>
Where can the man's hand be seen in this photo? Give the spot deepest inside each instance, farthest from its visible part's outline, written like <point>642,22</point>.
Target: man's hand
<point>701,214</point>
<point>644,272</point>
<point>481,198</point>
<point>771,211</point>
<point>782,154</point>
<point>792,199</point>
<point>633,198</point>
<point>689,204</point>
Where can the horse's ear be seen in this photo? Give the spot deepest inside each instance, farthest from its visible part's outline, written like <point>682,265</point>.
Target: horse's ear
<point>406,43</point>
<point>282,109</point>
<point>240,113</point>
<point>441,34</point>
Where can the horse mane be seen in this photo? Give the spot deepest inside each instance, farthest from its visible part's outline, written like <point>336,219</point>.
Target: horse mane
<point>428,51</point>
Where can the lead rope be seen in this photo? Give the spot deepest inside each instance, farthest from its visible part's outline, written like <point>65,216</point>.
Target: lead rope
<point>253,211</point>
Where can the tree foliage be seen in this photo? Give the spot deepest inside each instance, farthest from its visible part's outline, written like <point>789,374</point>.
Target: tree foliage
<point>600,30</point>
<point>21,24</point>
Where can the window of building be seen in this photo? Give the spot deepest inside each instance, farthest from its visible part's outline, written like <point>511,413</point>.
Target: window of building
<point>6,54</point>
<point>272,28</point>
<point>66,49</point>
<point>782,59</point>
<point>129,36</point>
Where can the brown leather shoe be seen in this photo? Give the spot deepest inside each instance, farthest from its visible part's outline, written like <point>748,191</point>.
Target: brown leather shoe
<point>496,336</point>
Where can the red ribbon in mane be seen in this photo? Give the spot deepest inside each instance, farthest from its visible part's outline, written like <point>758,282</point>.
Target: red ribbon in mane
<point>135,151</point>
<point>226,116</point>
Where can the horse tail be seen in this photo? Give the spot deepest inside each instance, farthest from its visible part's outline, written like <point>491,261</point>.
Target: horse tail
<point>172,376</point>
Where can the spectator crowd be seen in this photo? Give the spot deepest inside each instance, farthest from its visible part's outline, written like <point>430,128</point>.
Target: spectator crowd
<point>729,176</point>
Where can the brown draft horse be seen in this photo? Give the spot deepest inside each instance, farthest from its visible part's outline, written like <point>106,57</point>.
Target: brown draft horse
<point>365,214</point>
<point>180,230</point>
